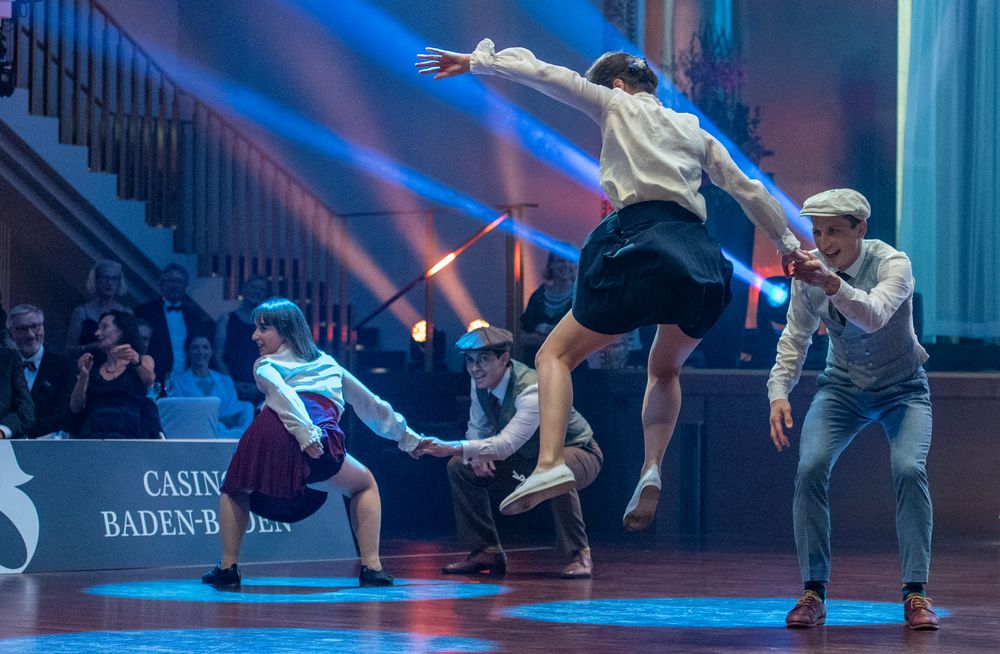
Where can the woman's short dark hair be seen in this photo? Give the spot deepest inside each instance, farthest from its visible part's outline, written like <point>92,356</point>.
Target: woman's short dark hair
<point>285,317</point>
<point>128,325</point>
<point>632,70</point>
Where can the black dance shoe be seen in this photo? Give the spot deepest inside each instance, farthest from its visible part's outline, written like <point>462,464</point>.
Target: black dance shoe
<point>228,578</point>
<point>374,577</point>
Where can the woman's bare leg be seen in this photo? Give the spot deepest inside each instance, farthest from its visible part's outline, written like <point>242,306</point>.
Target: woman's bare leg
<point>660,407</point>
<point>234,514</point>
<point>356,481</point>
<point>564,349</point>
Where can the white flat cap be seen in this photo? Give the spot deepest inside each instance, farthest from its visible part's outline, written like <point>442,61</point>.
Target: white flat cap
<point>837,202</point>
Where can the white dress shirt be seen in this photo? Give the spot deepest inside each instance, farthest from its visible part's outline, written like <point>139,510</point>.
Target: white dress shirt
<point>177,330</point>
<point>648,152</point>
<point>281,376</point>
<point>481,443</point>
<point>869,310</point>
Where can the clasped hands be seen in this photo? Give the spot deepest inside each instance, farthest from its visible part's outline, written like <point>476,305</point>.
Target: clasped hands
<point>436,447</point>
<point>442,448</point>
<point>807,267</point>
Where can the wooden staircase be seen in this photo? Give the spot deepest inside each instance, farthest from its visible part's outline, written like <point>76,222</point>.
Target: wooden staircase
<point>228,201</point>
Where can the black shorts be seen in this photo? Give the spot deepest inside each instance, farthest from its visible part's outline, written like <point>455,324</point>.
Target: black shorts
<point>651,263</point>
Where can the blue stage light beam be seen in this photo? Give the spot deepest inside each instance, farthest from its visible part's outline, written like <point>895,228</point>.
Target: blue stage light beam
<point>355,22</point>
<point>573,20</point>
<point>702,612</point>
<point>252,639</point>
<point>279,119</point>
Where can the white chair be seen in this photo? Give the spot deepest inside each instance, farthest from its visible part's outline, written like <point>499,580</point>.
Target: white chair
<point>189,417</point>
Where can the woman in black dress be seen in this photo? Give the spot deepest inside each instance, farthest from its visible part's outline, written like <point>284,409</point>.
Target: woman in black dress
<point>113,381</point>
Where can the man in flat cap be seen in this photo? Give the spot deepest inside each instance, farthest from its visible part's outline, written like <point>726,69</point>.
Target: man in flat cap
<point>500,449</point>
<point>863,290</point>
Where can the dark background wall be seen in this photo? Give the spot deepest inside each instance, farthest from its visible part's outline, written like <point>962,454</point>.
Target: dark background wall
<point>721,471</point>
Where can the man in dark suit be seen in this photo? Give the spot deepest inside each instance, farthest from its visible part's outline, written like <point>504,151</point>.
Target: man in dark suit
<point>50,376</point>
<point>17,411</point>
<point>172,316</point>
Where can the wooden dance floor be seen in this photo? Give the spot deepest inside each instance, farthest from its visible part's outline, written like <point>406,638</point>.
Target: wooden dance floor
<point>645,597</point>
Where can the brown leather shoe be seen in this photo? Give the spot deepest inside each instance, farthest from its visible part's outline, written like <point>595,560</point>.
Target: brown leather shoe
<point>581,566</point>
<point>809,612</point>
<point>919,614</point>
<point>478,562</point>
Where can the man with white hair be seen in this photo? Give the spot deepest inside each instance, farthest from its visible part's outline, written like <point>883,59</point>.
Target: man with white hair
<point>863,291</point>
<point>49,375</point>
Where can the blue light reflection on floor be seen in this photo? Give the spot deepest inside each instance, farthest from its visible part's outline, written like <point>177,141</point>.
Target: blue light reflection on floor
<point>704,612</point>
<point>299,590</point>
<point>238,641</point>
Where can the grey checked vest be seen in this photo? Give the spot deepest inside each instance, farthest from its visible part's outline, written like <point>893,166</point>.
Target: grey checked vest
<point>882,358</point>
<point>578,433</point>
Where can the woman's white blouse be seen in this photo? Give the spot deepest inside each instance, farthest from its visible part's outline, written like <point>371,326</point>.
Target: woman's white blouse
<point>282,375</point>
<point>648,152</point>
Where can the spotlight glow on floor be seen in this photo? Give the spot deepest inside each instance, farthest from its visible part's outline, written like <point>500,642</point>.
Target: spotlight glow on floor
<point>298,590</point>
<point>238,641</point>
<point>704,612</point>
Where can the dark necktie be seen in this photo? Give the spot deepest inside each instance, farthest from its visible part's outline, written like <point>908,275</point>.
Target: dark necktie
<point>173,307</point>
<point>493,406</point>
<point>30,365</point>
<point>838,316</point>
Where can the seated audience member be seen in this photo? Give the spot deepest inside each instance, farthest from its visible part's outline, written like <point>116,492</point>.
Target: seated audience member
<point>49,375</point>
<point>105,285</point>
<point>548,304</point>
<point>112,382</point>
<point>17,411</point>
<point>150,412</point>
<point>173,316</point>
<point>145,335</point>
<point>235,351</point>
<point>198,380</point>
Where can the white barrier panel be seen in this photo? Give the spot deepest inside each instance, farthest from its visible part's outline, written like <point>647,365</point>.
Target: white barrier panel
<point>96,505</point>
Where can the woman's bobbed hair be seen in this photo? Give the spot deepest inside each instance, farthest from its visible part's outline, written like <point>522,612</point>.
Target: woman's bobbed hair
<point>285,317</point>
<point>105,266</point>
<point>632,70</point>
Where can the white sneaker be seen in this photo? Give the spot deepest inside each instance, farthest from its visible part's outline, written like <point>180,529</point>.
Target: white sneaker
<point>641,508</point>
<point>538,487</point>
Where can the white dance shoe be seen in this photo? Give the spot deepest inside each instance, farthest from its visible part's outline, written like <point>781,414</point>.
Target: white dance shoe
<point>641,508</point>
<point>538,487</point>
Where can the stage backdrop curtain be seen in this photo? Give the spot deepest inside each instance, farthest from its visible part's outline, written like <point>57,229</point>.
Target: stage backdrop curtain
<point>949,167</point>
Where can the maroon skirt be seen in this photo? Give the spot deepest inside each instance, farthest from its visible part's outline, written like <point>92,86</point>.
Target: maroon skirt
<point>271,466</point>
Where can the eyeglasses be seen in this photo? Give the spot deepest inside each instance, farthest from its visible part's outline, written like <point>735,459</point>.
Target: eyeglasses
<point>24,329</point>
<point>481,360</point>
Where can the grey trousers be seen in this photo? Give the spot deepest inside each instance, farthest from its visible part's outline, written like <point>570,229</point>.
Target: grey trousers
<point>471,500</point>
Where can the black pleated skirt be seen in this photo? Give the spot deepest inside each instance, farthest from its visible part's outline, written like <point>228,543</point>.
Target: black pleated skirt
<point>651,263</point>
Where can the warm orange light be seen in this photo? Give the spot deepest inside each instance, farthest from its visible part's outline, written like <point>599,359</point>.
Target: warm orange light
<point>419,331</point>
<point>476,324</point>
<point>448,258</point>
